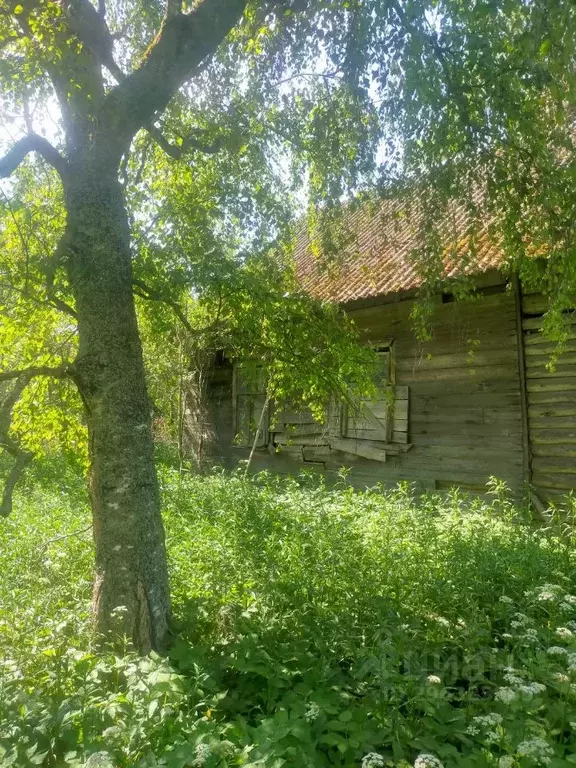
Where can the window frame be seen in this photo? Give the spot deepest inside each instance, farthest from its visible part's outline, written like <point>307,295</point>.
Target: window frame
<point>387,348</point>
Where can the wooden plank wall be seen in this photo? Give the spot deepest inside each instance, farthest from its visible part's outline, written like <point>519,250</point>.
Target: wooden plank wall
<point>464,400</point>
<point>551,404</point>
<point>465,406</point>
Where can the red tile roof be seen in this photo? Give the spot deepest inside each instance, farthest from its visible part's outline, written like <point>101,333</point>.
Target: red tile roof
<point>383,257</point>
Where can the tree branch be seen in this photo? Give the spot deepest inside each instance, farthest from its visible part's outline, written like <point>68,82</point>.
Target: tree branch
<point>189,142</point>
<point>32,143</point>
<point>61,372</point>
<point>184,41</point>
<point>47,543</point>
<point>145,292</point>
<point>22,457</point>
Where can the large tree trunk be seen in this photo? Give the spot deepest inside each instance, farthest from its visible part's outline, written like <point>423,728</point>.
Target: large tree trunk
<point>100,124</point>
<point>131,592</point>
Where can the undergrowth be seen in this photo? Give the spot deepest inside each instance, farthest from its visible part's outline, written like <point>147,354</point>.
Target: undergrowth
<point>315,627</point>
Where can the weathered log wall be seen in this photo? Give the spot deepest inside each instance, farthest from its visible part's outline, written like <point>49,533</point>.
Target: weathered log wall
<point>551,403</point>
<point>458,417</point>
<point>465,418</point>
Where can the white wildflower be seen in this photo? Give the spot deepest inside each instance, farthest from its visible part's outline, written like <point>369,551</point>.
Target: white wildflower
<point>486,721</point>
<point>564,633</point>
<point>558,677</point>
<point>513,679</point>
<point>566,607</point>
<point>522,618</point>
<point>506,636</point>
<point>372,760</point>
<point>312,712</point>
<point>530,632</point>
<point>536,749</point>
<point>506,599</point>
<point>505,694</point>
<point>433,679</point>
<point>516,624</point>
<point>549,593</point>
<point>99,760</point>
<point>203,752</point>
<point>427,761</point>
<point>573,725</point>
<point>546,596</point>
<point>556,650</point>
<point>570,599</point>
<point>532,689</point>
<point>571,659</point>
<point>226,748</point>
<point>506,762</point>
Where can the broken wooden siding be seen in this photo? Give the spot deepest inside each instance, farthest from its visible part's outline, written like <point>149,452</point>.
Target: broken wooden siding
<point>457,417</point>
<point>551,397</point>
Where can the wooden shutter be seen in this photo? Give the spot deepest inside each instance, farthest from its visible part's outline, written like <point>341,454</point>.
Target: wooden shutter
<point>372,419</point>
<point>249,402</point>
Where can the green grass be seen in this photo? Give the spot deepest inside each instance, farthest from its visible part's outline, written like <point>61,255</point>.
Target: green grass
<point>316,627</point>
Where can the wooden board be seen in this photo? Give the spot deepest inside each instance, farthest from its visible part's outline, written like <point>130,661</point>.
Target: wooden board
<point>299,430</point>
<point>460,402</point>
<point>547,480</point>
<point>535,323</point>
<point>466,416</point>
<point>552,384</point>
<point>363,448</point>
<point>546,348</point>
<point>542,360</point>
<point>554,464</point>
<point>562,450</point>
<point>553,422</point>
<point>537,304</point>
<point>462,360</point>
<point>537,339</point>
<point>487,373</point>
<point>306,440</point>
<point>551,398</point>
<point>459,430</point>
<point>553,436</point>
<point>558,410</point>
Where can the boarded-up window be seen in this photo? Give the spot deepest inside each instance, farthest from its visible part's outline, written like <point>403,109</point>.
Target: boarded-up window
<point>249,403</point>
<point>372,419</point>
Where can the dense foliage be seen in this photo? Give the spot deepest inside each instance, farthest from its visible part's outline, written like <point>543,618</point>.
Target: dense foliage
<point>303,106</point>
<point>316,627</point>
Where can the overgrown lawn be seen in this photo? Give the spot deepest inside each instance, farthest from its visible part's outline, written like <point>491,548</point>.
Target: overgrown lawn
<point>316,628</point>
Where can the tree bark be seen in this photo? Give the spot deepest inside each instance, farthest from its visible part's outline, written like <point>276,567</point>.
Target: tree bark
<point>131,592</point>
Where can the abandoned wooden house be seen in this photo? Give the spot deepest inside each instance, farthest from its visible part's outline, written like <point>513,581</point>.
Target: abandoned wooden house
<point>475,401</point>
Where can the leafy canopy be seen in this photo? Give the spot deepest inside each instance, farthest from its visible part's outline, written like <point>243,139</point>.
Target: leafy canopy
<point>305,105</point>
